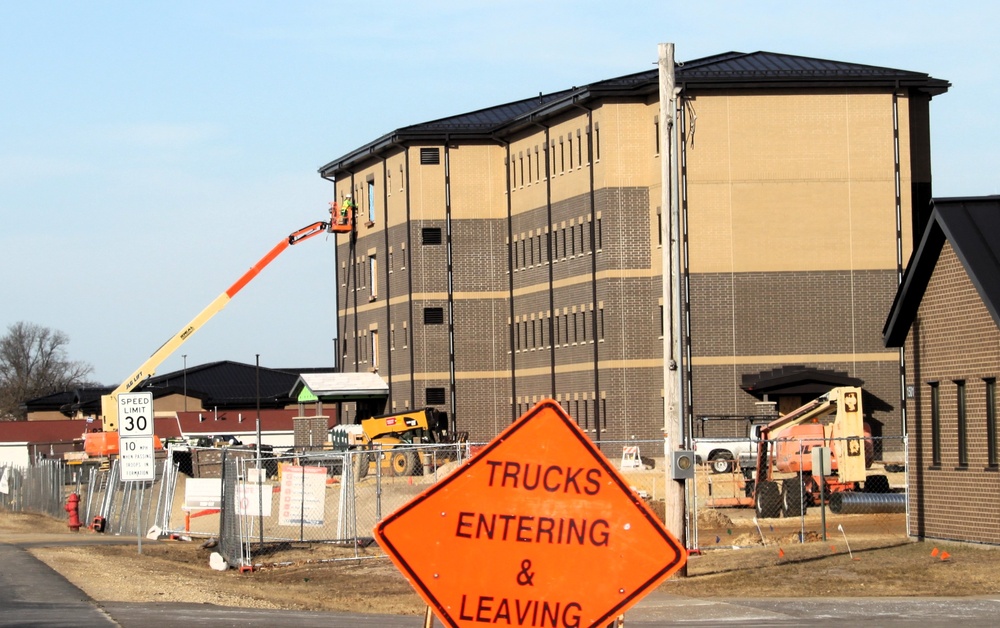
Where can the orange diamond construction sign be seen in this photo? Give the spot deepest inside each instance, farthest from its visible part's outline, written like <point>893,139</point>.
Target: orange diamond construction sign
<point>537,529</point>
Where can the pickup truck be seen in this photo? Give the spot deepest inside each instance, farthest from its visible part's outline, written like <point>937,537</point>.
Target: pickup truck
<point>724,454</point>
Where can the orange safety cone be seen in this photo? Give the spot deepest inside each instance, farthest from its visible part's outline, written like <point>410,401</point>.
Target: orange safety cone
<point>945,555</point>
<point>934,552</point>
<point>781,553</point>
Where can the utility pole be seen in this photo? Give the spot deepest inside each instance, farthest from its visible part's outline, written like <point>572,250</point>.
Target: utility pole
<point>673,435</point>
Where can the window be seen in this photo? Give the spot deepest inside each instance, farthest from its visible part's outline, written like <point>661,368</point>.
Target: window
<point>600,322</point>
<point>435,396</point>
<point>430,156</point>
<point>555,341</point>
<point>371,201</point>
<point>538,166</point>
<point>430,236</point>
<point>529,167</point>
<point>991,423</point>
<point>570,141</point>
<point>963,447</point>
<point>374,336</point>
<point>392,338</point>
<point>562,156</point>
<point>373,275</point>
<point>600,235</point>
<point>405,336</point>
<point>935,425</point>
<point>433,316</point>
<point>659,227</point>
<point>390,261</point>
<point>520,164</point>
<point>656,134</point>
<point>597,141</point>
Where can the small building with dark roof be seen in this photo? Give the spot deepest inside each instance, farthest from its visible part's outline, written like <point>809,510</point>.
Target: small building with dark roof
<point>946,316</point>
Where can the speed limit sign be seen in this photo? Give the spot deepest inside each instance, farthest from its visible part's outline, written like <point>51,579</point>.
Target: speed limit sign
<point>135,414</point>
<point>135,437</point>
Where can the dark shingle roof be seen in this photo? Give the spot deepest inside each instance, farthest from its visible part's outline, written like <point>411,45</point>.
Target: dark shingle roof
<point>224,384</point>
<point>729,70</point>
<point>972,226</point>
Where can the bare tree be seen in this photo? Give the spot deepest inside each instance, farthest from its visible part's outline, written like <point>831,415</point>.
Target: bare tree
<point>33,363</point>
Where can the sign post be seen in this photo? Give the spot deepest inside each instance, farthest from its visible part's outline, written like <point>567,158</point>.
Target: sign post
<point>537,529</point>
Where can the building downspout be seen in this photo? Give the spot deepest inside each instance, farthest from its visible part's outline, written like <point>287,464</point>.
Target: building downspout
<point>338,362</point>
<point>687,396</point>
<point>899,250</point>
<point>385,273</point>
<point>451,286</point>
<point>354,272</point>
<point>511,329</point>
<point>593,272</point>
<point>548,245</point>
<point>409,281</point>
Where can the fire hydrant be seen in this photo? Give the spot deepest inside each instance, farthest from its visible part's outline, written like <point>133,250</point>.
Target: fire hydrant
<point>73,508</point>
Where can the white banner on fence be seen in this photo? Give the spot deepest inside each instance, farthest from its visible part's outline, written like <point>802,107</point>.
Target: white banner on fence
<point>303,496</point>
<point>252,501</point>
<point>202,493</point>
<point>4,482</point>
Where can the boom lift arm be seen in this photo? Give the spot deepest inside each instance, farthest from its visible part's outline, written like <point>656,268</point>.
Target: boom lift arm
<point>109,403</point>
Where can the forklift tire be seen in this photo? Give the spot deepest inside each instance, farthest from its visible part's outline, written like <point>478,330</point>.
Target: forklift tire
<point>792,504</point>
<point>359,464</point>
<point>768,501</point>
<point>403,463</point>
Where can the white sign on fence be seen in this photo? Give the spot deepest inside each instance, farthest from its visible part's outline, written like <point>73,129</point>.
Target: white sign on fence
<point>252,501</point>
<point>203,494</point>
<point>303,496</point>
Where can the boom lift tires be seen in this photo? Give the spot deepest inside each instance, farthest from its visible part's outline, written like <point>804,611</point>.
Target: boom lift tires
<point>791,498</point>
<point>767,502</point>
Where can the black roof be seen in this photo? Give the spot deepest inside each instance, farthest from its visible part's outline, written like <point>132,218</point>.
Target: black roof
<point>796,379</point>
<point>730,70</point>
<point>972,226</point>
<point>223,385</point>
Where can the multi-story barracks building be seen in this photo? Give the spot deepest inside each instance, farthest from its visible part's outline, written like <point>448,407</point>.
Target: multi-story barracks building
<point>514,253</point>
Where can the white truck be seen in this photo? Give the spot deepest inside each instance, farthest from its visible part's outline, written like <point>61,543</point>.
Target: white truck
<point>724,454</point>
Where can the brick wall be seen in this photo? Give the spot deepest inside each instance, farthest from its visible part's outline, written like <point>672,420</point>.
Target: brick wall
<point>953,338</point>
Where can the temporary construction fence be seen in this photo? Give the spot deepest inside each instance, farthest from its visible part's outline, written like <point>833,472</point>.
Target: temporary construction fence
<point>790,505</point>
<point>333,500</point>
<point>106,504</point>
<point>327,498</point>
<point>39,488</point>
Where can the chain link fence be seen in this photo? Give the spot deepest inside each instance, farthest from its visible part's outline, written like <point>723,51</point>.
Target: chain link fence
<point>327,500</point>
<point>789,504</point>
<point>325,504</point>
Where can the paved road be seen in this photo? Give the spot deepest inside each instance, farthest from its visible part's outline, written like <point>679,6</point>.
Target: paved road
<point>32,594</point>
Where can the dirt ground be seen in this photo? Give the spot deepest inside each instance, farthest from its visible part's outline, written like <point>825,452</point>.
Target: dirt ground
<point>773,564</point>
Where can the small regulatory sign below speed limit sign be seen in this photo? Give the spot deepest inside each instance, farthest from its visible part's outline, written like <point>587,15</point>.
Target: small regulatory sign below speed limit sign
<point>135,437</point>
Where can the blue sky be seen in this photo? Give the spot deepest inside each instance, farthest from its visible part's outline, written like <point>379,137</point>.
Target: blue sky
<point>151,152</point>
